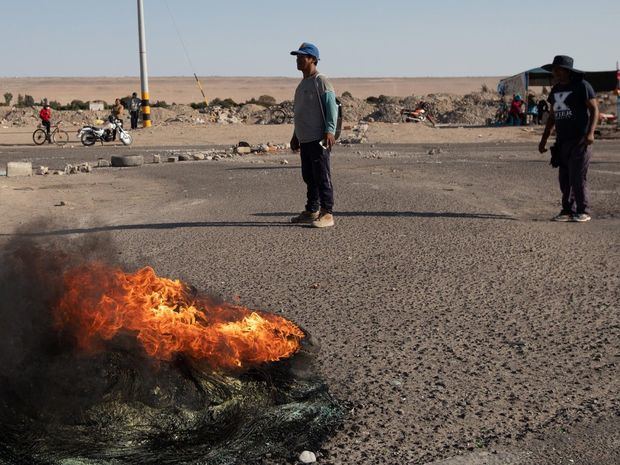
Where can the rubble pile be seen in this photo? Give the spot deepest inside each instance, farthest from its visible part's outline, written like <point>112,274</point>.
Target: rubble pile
<point>354,109</point>
<point>471,109</point>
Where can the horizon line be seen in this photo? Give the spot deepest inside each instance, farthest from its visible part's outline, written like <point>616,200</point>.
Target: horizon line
<point>244,77</point>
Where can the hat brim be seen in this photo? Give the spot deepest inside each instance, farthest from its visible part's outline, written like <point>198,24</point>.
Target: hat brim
<point>549,68</point>
<point>298,52</point>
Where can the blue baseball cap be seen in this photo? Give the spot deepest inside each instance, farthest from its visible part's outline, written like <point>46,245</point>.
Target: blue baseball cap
<point>307,49</point>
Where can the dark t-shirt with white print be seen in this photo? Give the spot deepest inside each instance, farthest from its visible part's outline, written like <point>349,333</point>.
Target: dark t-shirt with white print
<point>568,103</point>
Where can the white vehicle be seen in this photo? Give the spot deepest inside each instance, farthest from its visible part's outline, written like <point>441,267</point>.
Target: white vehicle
<point>89,135</point>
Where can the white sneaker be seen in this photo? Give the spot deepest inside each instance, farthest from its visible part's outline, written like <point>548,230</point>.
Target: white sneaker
<point>581,218</point>
<point>325,220</point>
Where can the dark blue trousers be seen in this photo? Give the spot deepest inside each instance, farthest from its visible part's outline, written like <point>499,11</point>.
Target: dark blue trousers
<point>573,171</point>
<point>316,172</point>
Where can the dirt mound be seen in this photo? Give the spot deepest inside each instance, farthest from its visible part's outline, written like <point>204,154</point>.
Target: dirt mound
<point>354,109</point>
<point>470,109</point>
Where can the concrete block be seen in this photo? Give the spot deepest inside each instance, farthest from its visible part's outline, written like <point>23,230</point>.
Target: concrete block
<point>18,168</point>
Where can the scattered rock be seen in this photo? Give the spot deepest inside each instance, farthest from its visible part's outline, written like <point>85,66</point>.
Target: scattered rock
<point>185,157</point>
<point>199,156</point>
<point>173,159</point>
<point>156,158</point>
<point>75,169</point>
<point>307,457</point>
<point>42,170</point>
<point>18,168</point>
<point>284,162</point>
<point>243,150</point>
<point>103,163</point>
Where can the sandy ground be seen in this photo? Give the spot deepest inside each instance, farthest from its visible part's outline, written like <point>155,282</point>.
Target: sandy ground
<point>240,89</point>
<point>458,324</point>
<point>215,134</point>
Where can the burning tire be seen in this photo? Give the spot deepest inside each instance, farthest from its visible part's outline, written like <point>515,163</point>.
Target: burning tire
<point>110,393</point>
<point>127,160</point>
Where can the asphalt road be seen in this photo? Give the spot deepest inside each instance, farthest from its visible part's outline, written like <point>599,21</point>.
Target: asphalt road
<point>454,318</point>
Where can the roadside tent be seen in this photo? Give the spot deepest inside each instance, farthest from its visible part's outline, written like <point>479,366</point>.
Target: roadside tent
<point>602,81</point>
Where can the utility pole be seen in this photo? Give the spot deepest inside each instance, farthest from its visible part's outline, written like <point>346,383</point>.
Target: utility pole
<point>144,75</point>
<point>617,95</point>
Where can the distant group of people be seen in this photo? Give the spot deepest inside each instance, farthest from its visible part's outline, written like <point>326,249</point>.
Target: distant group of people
<point>116,114</point>
<point>519,111</point>
<point>134,104</point>
<point>571,109</point>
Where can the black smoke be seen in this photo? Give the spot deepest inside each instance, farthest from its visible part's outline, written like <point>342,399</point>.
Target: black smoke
<point>119,406</point>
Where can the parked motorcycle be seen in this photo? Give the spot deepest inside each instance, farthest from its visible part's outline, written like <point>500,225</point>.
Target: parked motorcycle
<point>421,114</point>
<point>89,135</point>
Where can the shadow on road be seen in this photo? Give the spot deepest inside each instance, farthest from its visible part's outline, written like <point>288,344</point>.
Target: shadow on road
<point>30,144</point>
<point>256,224</point>
<point>260,168</point>
<point>405,214</point>
<point>161,226</point>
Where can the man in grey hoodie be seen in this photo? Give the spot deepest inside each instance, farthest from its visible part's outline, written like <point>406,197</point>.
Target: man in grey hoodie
<point>316,116</point>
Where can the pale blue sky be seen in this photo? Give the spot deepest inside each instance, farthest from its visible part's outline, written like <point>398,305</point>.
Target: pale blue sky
<point>356,38</point>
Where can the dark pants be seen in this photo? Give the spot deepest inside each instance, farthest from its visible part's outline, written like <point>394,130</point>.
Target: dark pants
<point>513,120</point>
<point>574,161</point>
<point>316,172</point>
<point>47,125</point>
<point>134,119</point>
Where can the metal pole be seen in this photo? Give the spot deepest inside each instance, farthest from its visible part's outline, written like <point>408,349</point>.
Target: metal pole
<point>617,95</point>
<point>144,75</point>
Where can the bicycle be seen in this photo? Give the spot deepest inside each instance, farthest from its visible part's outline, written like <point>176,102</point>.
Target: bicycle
<point>281,114</point>
<point>56,136</point>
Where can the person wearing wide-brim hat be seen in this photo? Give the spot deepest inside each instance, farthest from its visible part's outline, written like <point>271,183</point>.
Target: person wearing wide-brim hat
<point>574,114</point>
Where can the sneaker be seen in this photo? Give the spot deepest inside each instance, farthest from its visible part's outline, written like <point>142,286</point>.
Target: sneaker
<point>324,220</point>
<point>581,217</point>
<point>305,217</point>
<point>563,217</point>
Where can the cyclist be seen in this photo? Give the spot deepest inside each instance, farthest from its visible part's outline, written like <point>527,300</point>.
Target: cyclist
<point>46,115</point>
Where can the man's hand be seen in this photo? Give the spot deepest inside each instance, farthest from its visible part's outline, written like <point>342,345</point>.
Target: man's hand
<point>542,147</point>
<point>330,140</point>
<point>589,139</point>
<point>294,143</point>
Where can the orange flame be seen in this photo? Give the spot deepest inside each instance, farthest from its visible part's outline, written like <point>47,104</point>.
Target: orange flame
<point>101,301</point>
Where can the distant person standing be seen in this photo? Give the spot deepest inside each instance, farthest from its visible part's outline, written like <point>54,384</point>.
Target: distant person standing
<point>543,109</point>
<point>134,110</point>
<point>514,113</point>
<point>574,113</point>
<point>316,116</point>
<point>46,116</point>
<point>117,115</point>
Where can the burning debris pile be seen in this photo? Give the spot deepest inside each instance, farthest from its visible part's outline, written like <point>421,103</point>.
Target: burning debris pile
<point>105,366</point>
